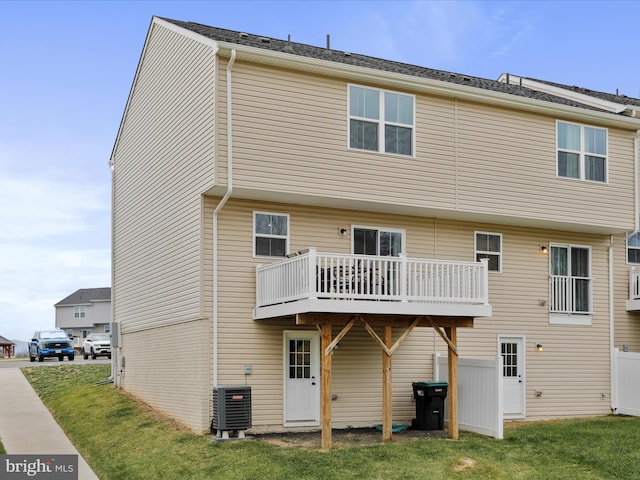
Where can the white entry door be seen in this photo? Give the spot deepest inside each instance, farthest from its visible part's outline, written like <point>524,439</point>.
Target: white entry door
<point>301,378</point>
<point>513,376</point>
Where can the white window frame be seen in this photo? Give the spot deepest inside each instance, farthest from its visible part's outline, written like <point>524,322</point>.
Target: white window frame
<point>79,311</point>
<point>381,122</point>
<point>582,153</point>
<point>86,333</point>
<point>262,235</point>
<point>478,253</point>
<point>573,317</point>
<point>402,233</point>
<point>632,247</point>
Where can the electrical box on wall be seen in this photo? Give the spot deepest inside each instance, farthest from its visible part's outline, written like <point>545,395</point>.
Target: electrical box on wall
<point>115,334</point>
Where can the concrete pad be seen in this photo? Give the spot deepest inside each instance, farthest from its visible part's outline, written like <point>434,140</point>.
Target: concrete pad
<point>27,427</point>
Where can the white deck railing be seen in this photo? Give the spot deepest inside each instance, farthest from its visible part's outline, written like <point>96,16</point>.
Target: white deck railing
<point>312,274</point>
<point>570,294</point>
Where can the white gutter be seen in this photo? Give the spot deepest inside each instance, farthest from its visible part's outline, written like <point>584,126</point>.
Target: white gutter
<point>216,212</point>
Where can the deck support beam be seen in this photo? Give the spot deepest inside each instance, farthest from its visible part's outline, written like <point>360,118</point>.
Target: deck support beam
<point>387,393</point>
<point>325,374</point>
<point>452,334</point>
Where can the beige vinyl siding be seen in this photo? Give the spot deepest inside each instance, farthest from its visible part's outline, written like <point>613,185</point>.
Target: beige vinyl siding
<point>291,136</point>
<point>170,368</point>
<point>572,371</point>
<point>163,161</point>
<point>627,324</point>
<point>508,160</point>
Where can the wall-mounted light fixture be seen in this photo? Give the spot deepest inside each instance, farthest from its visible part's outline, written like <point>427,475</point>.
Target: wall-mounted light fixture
<point>342,231</point>
<point>539,347</point>
<point>544,249</point>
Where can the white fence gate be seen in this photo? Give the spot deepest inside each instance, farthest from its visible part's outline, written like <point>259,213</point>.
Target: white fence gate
<point>480,398</point>
<point>626,383</point>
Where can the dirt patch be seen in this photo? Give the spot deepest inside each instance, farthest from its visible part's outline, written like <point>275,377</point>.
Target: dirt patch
<point>464,464</point>
<point>346,438</point>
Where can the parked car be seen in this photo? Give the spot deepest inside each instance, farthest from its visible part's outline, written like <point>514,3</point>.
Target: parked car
<point>97,345</point>
<point>50,343</point>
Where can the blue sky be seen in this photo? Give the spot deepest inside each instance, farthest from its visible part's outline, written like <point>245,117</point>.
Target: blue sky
<point>66,69</point>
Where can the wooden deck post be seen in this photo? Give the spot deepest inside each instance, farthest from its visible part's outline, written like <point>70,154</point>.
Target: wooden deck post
<point>387,402</point>
<point>325,374</point>
<point>453,383</point>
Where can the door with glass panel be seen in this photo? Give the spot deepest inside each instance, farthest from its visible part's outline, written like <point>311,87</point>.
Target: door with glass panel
<point>513,376</point>
<point>301,378</point>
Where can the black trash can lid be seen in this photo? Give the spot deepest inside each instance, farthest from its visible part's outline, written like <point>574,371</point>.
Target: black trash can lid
<point>431,384</point>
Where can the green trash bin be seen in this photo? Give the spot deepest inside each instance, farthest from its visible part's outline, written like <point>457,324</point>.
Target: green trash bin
<point>429,397</point>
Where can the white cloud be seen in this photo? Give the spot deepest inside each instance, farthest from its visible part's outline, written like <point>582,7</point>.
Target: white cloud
<point>55,235</point>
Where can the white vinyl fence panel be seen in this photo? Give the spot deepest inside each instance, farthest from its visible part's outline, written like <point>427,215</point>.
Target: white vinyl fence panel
<point>480,398</point>
<point>626,375</point>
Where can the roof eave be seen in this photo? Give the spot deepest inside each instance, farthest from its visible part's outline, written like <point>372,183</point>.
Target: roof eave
<point>425,85</point>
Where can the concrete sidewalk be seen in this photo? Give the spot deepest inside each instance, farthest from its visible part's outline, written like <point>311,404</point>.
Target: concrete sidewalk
<point>27,427</point>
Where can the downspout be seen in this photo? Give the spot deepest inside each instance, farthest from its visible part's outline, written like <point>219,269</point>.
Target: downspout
<point>216,212</point>
<point>112,318</point>
<point>635,181</point>
<point>612,381</point>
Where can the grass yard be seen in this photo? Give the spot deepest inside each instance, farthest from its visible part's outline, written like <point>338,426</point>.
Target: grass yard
<point>123,439</point>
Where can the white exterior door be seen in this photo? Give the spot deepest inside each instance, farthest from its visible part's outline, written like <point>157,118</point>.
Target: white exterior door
<point>301,378</point>
<point>513,376</point>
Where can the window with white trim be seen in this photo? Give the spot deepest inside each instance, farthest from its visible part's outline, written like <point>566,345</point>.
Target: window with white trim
<point>270,234</point>
<point>489,246</point>
<point>570,280</point>
<point>79,312</point>
<point>633,248</point>
<point>374,241</point>
<point>381,121</point>
<point>582,151</point>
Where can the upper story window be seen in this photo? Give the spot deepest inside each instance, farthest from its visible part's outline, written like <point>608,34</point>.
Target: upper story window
<point>270,234</point>
<point>373,241</point>
<point>489,246</point>
<point>633,248</point>
<point>80,312</point>
<point>381,121</point>
<point>582,152</point>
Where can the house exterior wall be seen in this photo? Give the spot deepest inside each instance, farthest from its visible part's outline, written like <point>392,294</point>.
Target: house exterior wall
<point>96,313</point>
<point>163,161</point>
<point>469,158</point>
<point>290,139</point>
<point>170,369</point>
<point>572,371</point>
<point>161,167</point>
<point>627,324</point>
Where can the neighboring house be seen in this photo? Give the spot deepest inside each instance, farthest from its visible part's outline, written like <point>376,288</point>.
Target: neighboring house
<point>85,311</point>
<point>7,348</point>
<point>317,224</point>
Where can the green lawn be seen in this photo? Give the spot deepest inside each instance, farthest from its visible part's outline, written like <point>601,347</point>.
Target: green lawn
<point>125,440</point>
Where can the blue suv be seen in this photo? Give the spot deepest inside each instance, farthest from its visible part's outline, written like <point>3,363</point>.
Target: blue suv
<point>50,343</point>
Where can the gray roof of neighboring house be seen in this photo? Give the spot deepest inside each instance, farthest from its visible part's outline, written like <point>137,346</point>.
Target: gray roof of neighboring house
<point>285,46</point>
<point>4,341</point>
<point>86,295</point>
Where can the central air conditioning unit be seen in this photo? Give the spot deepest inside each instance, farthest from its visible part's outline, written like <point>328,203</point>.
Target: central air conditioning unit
<point>231,410</point>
